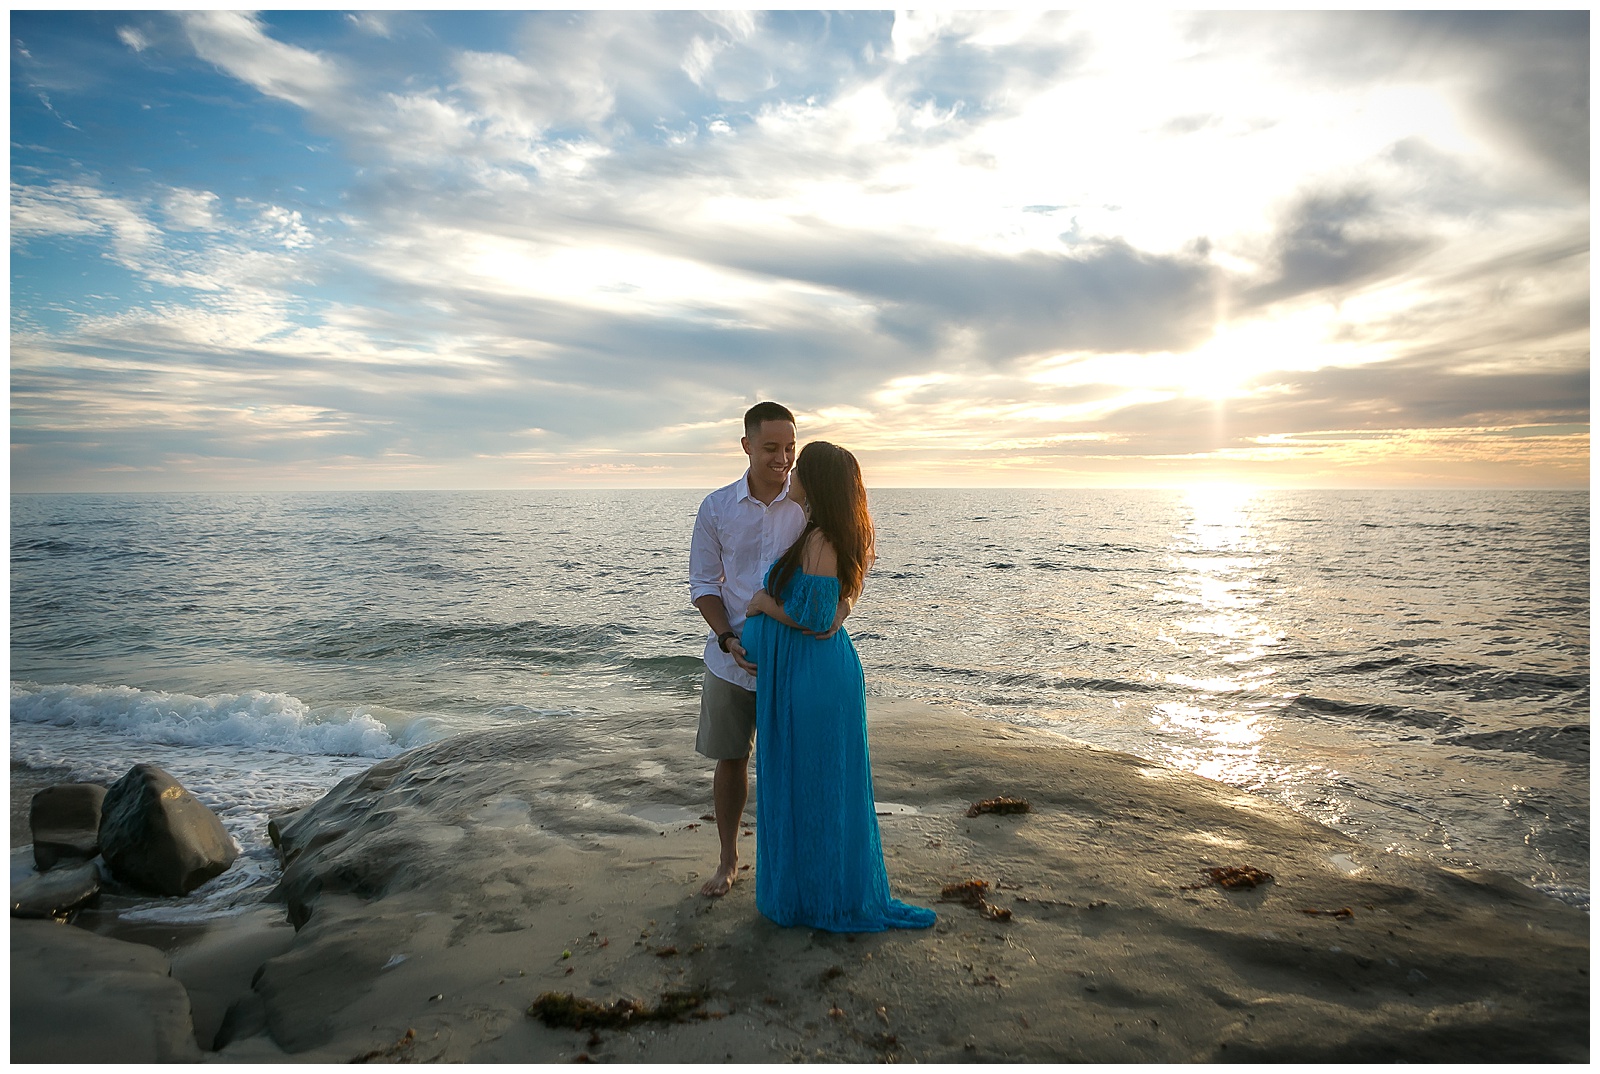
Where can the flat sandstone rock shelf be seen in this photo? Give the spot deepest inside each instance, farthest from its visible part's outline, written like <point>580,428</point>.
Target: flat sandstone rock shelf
<point>441,894</point>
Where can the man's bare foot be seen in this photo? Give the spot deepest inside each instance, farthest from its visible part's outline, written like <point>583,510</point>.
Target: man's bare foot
<point>721,881</point>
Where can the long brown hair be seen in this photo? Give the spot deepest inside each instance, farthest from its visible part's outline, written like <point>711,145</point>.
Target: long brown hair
<point>837,502</point>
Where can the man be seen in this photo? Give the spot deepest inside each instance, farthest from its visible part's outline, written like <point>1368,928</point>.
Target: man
<point>740,530</point>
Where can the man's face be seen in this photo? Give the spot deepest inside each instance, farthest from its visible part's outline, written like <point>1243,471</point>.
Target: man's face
<point>771,450</point>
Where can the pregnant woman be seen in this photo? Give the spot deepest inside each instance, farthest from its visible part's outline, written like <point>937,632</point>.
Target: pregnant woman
<point>819,861</point>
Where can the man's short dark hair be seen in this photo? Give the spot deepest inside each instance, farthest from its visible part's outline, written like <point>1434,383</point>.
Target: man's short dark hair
<point>765,412</point>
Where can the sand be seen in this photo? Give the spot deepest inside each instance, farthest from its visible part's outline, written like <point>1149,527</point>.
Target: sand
<point>440,894</point>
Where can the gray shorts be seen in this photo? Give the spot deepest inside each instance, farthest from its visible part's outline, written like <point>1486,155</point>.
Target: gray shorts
<point>727,720</point>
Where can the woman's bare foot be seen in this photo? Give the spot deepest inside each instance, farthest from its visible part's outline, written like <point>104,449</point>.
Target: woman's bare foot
<point>721,881</point>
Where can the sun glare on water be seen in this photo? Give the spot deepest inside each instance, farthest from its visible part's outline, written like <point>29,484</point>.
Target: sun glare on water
<point>1219,615</point>
<point>1221,512</point>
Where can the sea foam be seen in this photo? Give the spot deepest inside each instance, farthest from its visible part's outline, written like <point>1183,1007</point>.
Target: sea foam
<point>253,718</point>
<point>247,756</point>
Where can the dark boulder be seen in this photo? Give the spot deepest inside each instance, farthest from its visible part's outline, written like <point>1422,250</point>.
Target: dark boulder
<point>156,835</point>
<point>65,821</point>
<point>56,893</point>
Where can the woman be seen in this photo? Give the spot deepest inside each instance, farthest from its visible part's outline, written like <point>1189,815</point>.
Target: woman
<point>819,861</point>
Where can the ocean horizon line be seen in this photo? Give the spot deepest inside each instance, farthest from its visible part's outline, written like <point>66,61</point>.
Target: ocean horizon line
<point>1243,486</point>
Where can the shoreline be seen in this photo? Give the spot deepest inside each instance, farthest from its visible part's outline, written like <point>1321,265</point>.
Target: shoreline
<point>443,891</point>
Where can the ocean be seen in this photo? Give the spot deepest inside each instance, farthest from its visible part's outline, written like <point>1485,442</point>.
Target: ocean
<point>1411,668</point>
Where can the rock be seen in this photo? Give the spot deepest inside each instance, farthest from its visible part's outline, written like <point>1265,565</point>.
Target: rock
<point>56,893</point>
<point>65,821</point>
<point>245,1017</point>
<point>277,826</point>
<point>158,836</point>
<point>77,997</point>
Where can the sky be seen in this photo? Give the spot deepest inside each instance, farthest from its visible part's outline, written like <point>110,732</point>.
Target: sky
<point>424,250</point>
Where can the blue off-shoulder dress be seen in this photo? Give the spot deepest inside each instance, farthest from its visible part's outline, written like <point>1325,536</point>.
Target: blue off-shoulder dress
<point>819,861</point>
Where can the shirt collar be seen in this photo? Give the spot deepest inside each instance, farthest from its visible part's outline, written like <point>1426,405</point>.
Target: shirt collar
<point>745,494</point>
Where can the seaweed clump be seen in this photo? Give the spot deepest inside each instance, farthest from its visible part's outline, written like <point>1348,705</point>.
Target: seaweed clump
<point>971,893</point>
<point>1236,877</point>
<point>563,1009</point>
<point>394,1053</point>
<point>1000,804</point>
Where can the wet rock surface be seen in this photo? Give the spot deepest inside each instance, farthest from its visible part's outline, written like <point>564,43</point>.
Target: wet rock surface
<point>65,823</point>
<point>77,997</point>
<point>157,836</point>
<point>56,893</point>
<point>442,893</point>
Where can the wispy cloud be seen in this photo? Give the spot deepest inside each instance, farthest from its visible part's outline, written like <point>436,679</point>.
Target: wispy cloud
<point>130,36</point>
<point>239,44</point>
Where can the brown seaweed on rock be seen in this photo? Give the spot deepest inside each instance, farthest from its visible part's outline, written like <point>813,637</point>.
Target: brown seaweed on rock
<point>1000,804</point>
<point>1231,877</point>
<point>971,893</point>
<point>558,1009</point>
<point>398,1052</point>
<point>1239,876</point>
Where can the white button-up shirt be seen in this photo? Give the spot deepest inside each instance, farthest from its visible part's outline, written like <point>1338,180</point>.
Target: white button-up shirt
<point>736,538</point>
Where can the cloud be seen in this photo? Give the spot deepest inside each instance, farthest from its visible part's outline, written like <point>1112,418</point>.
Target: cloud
<point>526,100</point>
<point>1535,91</point>
<point>1061,244</point>
<point>284,227</point>
<point>1431,392</point>
<point>1331,242</point>
<point>376,23</point>
<point>131,37</point>
<point>191,210</point>
<point>79,209</point>
<point>227,259</point>
<point>44,99</point>
<point>1520,77</point>
<point>981,64</point>
<point>1108,298</point>
<point>1528,72</point>
<point>237,43</point>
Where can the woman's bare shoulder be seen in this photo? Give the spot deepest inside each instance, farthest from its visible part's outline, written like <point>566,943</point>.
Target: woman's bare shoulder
<point>818,556</point>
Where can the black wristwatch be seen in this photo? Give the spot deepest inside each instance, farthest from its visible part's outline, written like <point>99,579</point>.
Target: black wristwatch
<point>722,639</point>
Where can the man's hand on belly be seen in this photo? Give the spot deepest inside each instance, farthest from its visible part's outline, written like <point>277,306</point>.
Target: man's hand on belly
<point>736,650</point>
